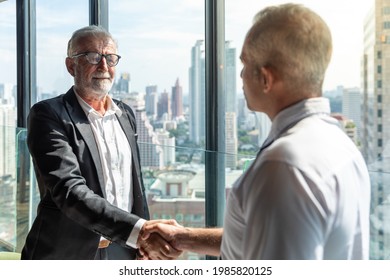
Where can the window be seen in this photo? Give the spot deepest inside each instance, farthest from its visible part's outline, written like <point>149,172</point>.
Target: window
<point>53,30</point>
<point>163,65</point>
<point>9,134</point>
<point>386,25</point>
<point>162,45</point>
<point>386,10</point>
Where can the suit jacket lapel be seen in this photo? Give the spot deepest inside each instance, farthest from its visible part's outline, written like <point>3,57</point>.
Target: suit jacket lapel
<point>81,122</point>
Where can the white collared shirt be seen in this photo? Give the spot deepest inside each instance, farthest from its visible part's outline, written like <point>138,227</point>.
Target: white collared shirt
<point>116,158</point>
<point>305,196</point>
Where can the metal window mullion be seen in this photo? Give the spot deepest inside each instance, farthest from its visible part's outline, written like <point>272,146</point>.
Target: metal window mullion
<point>98,13</point>
<point>26,96</point>
<point>26,59</point>
<point>215,112</point>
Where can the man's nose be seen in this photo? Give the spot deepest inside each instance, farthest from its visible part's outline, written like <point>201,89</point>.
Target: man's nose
<point>103,64</point>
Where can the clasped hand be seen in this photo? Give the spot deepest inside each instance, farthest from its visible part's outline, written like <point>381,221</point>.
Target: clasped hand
<point>157,244</point>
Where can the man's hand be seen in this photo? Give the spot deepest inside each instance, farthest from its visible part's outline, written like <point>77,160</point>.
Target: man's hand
<point>199,240</point>
<point>154,246</point>
<point>170,230</point>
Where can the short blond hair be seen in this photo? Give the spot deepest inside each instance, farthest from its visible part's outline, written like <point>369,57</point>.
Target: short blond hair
<point>295,42</point>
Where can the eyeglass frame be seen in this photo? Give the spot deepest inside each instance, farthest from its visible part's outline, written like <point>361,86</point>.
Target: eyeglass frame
<point>101,57</point>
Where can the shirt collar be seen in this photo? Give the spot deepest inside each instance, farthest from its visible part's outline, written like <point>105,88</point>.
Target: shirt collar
<point>112,108</point>
<point>292,114</point>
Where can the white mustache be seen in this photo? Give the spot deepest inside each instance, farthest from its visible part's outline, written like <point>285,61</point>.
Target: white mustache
<point>101,76</point>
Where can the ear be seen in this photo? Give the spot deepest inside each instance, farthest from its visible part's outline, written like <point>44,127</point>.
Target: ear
<point>267,79</point>
<point>70,65</point>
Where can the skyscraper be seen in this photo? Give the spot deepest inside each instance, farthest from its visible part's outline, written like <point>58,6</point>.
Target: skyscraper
<point>197,93</point>
<point>231,141</point>
<point>351,106</point>
<point>230,78</point>
<point>151,101</point>
<point>164,106</point>
<point>149,147</point>
<point>375,123</point>
<point>375,85</point>
<point>7,140</point>
<point>177,100</point>
<point>123,85</point>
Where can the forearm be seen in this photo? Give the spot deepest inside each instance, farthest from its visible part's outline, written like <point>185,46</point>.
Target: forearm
<point>200,240</point>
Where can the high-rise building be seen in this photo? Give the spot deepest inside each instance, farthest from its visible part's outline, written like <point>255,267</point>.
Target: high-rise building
<point>375,85</point>
<point>150,149</point>
<point>167,146</point>
<point>123,85</point>
<point>151,101</point>
<point>197,93</point>
<point>8,140</point>
<point>231,145</point>
<point>230,78</point>
<point>197,87</point>
<point>351,106</point>
<point>231,140</point>
<point>177,100</point>
<point>375,125</point>
<point>8,94</point>
<point>164,106</point>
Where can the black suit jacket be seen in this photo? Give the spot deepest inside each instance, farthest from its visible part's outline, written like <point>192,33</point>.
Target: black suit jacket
<point>73,213</point>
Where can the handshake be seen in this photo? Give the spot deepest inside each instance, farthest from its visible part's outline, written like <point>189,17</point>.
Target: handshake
<point>167,240</point>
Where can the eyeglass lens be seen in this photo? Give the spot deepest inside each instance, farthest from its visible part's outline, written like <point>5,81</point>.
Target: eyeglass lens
<point>95,58</point>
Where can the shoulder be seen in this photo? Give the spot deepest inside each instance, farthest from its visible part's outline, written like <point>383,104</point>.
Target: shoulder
<point>48,105</point>
<point>56,102</point>
<point>124,107</point>
<point>309,143</point>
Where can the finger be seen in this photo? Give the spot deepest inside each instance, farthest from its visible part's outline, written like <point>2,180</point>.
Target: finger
<point>163,221</point>
<point>170,252</point>
<point>147,230</point>
<point>158,248</point>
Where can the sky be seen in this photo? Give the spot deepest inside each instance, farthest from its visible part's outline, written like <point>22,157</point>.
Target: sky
<point>155,38</point>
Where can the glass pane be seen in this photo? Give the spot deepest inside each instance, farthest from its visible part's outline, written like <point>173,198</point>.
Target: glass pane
<point>53,30</point>
<point>56,21</point>
<point>355,83</point>
<point>161,76</point>
<point>8,58</point>
<point>8,163</point>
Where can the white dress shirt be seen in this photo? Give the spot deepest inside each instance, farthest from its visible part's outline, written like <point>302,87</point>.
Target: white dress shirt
<point>305,196</point>
<point>116,158</point>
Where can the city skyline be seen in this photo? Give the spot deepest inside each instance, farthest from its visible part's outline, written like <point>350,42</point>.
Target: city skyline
<point>155,48</point>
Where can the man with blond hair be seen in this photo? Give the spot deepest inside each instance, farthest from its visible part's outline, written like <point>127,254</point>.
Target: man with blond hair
<point>307,193</point>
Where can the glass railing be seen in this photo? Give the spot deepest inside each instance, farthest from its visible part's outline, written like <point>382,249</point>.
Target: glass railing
<point>174,178</point>
<point>15,178</point>
<point>380,209</point>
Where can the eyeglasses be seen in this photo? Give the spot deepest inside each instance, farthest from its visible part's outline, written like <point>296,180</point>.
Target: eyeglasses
<point>95,58</point>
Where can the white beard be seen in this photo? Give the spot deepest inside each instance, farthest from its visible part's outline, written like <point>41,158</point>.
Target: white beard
<point>101,87</point>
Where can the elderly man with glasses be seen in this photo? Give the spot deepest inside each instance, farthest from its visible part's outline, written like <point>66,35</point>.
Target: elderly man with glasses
<point>86,160</point>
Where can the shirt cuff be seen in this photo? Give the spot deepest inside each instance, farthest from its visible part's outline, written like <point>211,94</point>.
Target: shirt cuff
<point>132,240</point>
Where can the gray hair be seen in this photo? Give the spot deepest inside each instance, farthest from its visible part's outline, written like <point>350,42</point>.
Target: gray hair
<point>88,31</point>
<point>293,41</point>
